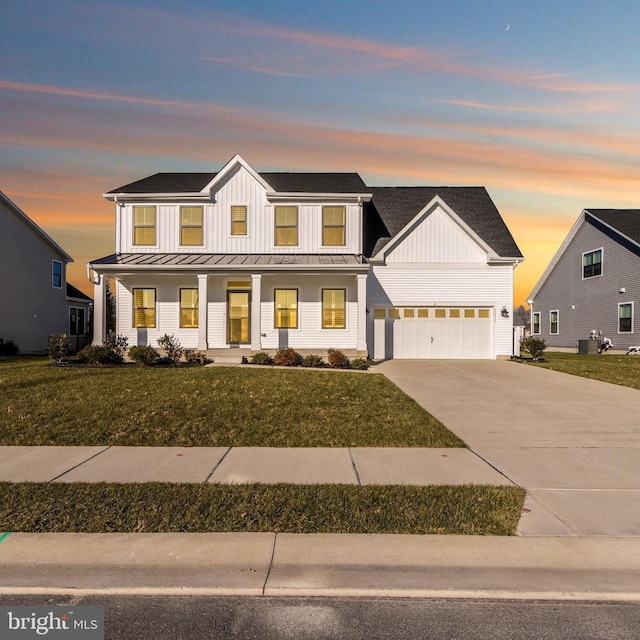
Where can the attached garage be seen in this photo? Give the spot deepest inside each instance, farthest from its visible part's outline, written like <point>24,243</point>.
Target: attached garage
<point>434,332</point>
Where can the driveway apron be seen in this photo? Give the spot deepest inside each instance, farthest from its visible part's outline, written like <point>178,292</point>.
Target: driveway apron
<point>571,442</point>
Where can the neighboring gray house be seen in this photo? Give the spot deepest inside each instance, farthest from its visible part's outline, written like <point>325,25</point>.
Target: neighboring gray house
<point>592,283</point>
<point>35,299</point>
<point>239,261</point>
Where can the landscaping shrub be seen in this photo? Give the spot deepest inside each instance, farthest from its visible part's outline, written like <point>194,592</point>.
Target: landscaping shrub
<point>312,361</point>
<point>8,348</point>
<point>533,346</point>
<point>58,347</point>
<point>143,354</point>
<point>262,357</point>
<point>362,364</point>
<point>287,358</point>
<point>196,358</point>
<point>172,347</point>
<point>110,352</point>
<point>337,360</point>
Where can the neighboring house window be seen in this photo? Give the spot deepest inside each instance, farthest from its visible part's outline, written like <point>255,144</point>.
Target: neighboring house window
<point>536,323</point>
<point>77,323</point>
<point>286,226</point>
<point>56,274</point>
<point>144,308</point>
<point>625,317</point>
<point>144,225</point>
<point>286,309</point>
<point>333,226</point>
<point>191,226</point>
<point>333,308</point>
<point>238,221</point>
<point>553,322</point>
<point>189,308</point>
<point>592,264</point>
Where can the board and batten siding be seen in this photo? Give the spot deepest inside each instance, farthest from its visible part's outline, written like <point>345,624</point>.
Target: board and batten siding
<point>31,309</point>
<point>590,304</point>
<point>242,189</point>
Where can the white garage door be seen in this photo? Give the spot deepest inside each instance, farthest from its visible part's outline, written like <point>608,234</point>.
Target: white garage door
<point>441,332</point>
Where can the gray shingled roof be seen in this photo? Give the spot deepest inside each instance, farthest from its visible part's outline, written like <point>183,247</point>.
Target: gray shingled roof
<point>74,292</point>
<point>229,259</point>
<point>624,221</point>
<point>397,206</point>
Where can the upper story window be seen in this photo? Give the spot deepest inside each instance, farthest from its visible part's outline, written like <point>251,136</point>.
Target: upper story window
<point>536,323</point>
<point>286,309</point>
<point>286,231</point>
<point>333,226</point>
<point>144,308</point>
<point>625,317</point>
<point>592,264</point>
<point>56,274</point>
<point>144,225</point>
<point>191,226</point>
<point>238,220</point>
<point>554,322</point>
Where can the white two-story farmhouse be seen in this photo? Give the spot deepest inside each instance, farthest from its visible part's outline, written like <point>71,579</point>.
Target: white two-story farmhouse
<point>252,261</point>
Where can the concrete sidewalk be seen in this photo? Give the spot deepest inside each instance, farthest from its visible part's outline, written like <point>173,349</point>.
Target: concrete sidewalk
<point>321,565</point>
<point>237,465</point>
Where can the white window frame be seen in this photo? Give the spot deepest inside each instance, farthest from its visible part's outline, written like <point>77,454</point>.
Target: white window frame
<point>601,250</point>
<point>53,274</point>
<point>621,304</point>
<point>557,332</point>
<point>533,323</point>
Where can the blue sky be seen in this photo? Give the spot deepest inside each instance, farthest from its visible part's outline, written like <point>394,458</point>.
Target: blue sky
<point>536,101</point>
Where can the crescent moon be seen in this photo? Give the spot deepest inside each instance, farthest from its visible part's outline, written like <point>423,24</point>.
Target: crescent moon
<point>508,27</point>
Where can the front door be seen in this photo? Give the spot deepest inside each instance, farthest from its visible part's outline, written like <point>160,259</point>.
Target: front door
<point>238,315</point>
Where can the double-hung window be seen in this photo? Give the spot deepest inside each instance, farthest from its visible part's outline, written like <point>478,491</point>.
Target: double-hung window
<point>286,229</point>
<point>592,264</point>
<point>625,317</point>
<point>56,274</point>
<point>536,323</point>
<point>286,309</point>
<point>191,226</point>
<point>144,225</point>
<point>333,226</point>
<point>144,308</point>
<point>238,220</point>
<point>333,308</point>
<point>188,308</point>
<point>554,322</point>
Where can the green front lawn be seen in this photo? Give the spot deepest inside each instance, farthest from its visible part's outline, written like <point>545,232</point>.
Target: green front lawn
<point>622,370</point>
<point>164,507</point>
<point>157,406</point>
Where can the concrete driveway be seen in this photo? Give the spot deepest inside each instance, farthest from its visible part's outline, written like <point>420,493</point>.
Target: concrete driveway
<point>571,442</point>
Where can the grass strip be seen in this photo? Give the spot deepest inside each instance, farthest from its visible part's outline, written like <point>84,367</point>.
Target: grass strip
<point>230,407</point>
<point>287,508</point>
<point>622,370</point>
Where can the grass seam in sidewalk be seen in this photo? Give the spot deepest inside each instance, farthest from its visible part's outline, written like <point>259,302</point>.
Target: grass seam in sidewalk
<point>286,508</point>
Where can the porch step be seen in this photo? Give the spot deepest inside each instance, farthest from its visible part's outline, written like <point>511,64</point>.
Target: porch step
<point>228,356</point>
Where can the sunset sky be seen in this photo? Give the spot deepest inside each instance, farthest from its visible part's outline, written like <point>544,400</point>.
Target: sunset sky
<point>536,101</point>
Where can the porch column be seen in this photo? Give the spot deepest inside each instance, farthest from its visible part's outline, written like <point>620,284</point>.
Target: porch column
<point>361,345</point>
<point>99,310</point>
<point>256,299</point>
<point>203,281</point>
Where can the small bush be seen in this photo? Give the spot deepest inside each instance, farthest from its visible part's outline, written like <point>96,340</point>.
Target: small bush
<point>172,347</point>
<point>287,358</point>
<point>262,357</point>
<point>533,346</point>
<point>362,364</point>
<point>110,352</point>
<point>197,358</point>
<point>58,347</point>
<point>143,354</point>
<point>8,348</point>
<point>337,360</point>
<point>312,361</point>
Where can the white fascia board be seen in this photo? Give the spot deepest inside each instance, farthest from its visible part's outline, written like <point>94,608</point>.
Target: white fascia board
<point>275,196</point>
<point>141,197</point>
<point>437,201</point>
<point>124,269</point>
<point>236,161</point>
<point>563,247</point>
